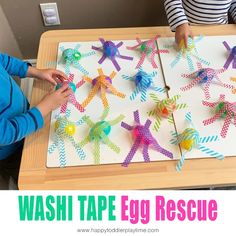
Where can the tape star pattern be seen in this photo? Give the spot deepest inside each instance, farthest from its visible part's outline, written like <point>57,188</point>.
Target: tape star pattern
<point>143,82</point>
<point>190,139</point>
<point>232,56</point>
<point>104,84</point>
<point>223,110</point>
<point>99,134</point>
<point>64,133</point>
<point>188,54</point>
<point>110,50</point>
<point>72,57</point>
<point>205,77</point>
<point>148,49</point>
<point>164,109</point>
<point>142,137</point>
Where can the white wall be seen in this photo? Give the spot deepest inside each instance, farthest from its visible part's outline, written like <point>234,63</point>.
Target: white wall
<point>25,18</point>
<point>8,42</point>
<point>9,45</point>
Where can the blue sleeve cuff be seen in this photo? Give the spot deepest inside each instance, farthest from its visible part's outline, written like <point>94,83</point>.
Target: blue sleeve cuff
<point>38,117</point>
<point>24,69</point>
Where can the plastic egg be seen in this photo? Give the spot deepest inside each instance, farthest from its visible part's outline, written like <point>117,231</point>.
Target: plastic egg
<point>233,50</point>
<point>143,78</point>
<point>143,48</point>
<point>71,55</point>
<point>71,85</point>
<point>190,139</point>
<point>64,127</point>
<point>223,106</point>
<point>140,132</point>
<point>110,49</point>
<point>98,129</point>
<point>190,47</point>
<point>219,107</point>
<point>108,79</point>
<point>77,55</point>
<point>187,144</point>
<point>203,75</point>
<point>166,107</point>
<point>70,129</point>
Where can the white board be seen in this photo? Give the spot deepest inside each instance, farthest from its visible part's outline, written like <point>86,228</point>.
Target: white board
<point>118,135</point>
<point>211,49</point>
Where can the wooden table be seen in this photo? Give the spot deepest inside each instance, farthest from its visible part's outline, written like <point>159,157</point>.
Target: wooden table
<point>155,175</point>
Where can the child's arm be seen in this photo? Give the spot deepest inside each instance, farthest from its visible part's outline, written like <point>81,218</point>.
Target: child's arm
<point>14,66</point>
<point>177,20</point>
<point>175,13</point>
<point>17,67</point>
<point>232,10</point>
<point>16,128</point>
<point>51,75</point>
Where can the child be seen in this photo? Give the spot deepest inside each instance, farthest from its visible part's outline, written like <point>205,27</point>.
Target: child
<point>181,13</point>
<point>16,119</point>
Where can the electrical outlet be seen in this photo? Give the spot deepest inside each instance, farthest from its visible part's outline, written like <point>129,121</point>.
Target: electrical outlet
<point>50,14</point>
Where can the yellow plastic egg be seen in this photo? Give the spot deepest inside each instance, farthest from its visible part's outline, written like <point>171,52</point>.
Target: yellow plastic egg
<point>187,144</point>
<point>190,139</point>
<point>190,48</point>
<point>70,129</point>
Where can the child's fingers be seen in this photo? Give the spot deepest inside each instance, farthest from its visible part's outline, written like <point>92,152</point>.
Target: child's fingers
<point>58,81</point>
<point>191,35</point>
<point>52,81</point>
<point>63,88</point>
<point>67,92</point>
<point>67,98</point>
<point>60,75</point>
<point>186,40</point>
<point>178,41</point>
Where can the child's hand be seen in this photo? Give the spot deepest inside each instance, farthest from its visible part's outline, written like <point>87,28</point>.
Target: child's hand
<point>182,33</point>
<point>54,100</point>
<point>51,75</point>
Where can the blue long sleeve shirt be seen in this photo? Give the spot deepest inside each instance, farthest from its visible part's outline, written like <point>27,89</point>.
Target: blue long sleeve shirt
<point>16,119</point>
<point>199,12</point>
